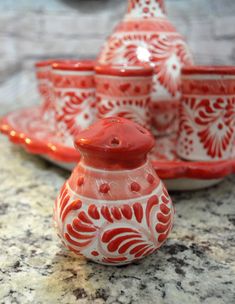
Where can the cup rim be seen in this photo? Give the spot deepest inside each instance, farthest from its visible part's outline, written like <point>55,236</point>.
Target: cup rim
<point>44,63</point>
<point>73,65</point>
<point>208,70</point>
<point>124,70</point>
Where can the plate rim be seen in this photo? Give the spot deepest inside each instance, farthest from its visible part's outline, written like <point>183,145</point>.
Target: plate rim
<point>166,169</point>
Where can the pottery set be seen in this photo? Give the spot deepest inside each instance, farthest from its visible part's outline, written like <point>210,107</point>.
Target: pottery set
<point>140,113</point>
<point>76,93</point>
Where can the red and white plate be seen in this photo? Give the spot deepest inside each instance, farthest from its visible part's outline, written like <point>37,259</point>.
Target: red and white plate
<point>25,127</point>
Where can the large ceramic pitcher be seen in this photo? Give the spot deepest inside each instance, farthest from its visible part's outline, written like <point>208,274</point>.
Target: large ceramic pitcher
<point>146,35</point>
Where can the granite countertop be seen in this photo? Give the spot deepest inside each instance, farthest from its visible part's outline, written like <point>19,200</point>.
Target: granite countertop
<point>196,265</point>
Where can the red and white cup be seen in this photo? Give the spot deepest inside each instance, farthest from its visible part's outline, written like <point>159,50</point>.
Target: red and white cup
<point>44,84</point>
<point>74,91</point>
<point>207,113</point>
<point>124,91</point>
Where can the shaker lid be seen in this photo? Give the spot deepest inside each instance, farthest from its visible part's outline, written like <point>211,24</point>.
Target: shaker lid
<point>115,137</point>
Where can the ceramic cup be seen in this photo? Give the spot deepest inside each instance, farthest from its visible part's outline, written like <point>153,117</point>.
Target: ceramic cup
<point>44,84</point>
<point>74,91</point>
<point>124,91</point>
<point>207,113</point>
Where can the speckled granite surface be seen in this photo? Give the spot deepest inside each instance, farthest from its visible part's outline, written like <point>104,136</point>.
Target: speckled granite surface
<point>197,264</point>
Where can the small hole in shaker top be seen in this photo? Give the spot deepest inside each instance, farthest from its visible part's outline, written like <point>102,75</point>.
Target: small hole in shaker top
<point>114,120</point>
<point>115,142</point>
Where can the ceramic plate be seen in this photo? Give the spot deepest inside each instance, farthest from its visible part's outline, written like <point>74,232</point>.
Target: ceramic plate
<point>25,127</point>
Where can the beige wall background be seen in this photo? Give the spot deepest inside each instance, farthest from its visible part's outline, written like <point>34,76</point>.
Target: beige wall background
<point>32,30</point>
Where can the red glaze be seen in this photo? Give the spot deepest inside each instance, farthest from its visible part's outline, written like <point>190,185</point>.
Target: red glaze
<point>146,36</point>
<point>116,215</point>
<point>218,70</point>
<point>124,91</point>
<point>124,70</point>
<point>44,63</point>
<point>43,75</point>
<point>74,93</point>
<point>26,128</point>
<point>74,65</point>
<point>207,113</point>
<point>115,140</point>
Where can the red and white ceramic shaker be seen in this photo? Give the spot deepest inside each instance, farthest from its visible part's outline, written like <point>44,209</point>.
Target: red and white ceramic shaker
<point>114,209</point>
